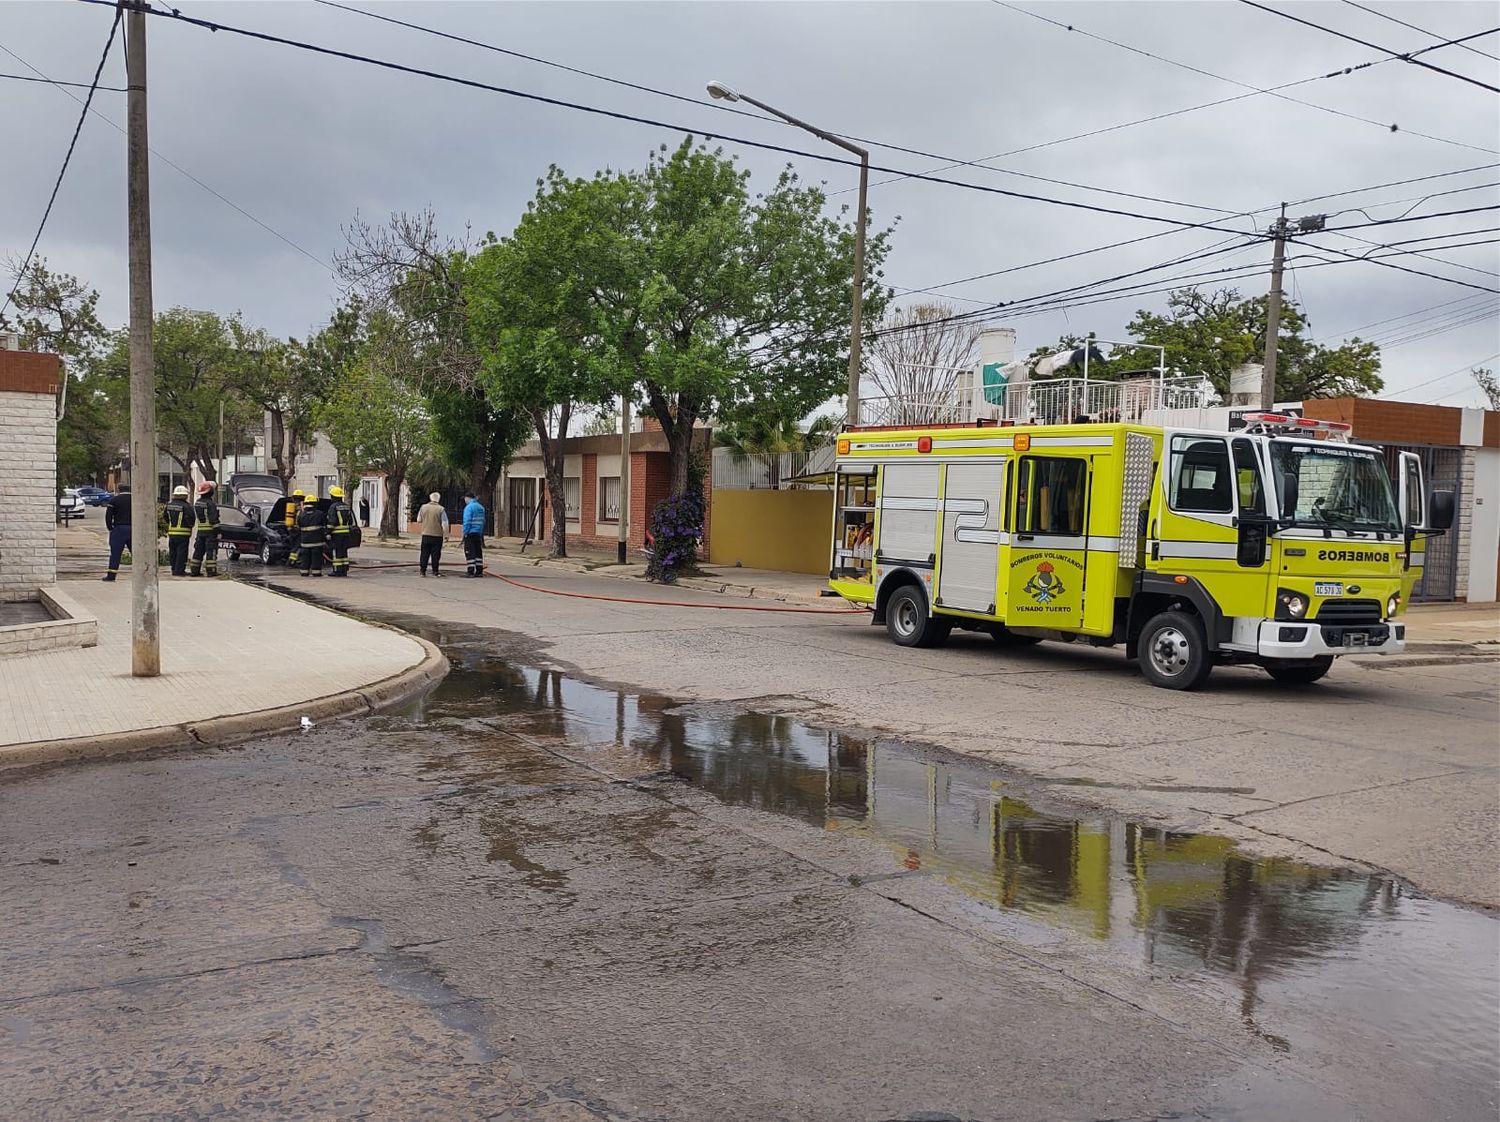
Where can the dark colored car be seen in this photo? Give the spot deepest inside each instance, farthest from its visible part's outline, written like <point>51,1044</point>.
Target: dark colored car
<point>94,496</point>
<point>255,522</point>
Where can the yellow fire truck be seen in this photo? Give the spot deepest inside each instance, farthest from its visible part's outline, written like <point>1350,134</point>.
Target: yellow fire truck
<point>1280,545</point>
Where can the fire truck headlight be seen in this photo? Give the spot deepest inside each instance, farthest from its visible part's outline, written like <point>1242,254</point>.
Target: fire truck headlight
<point>1293,604</point>
<point>1392,605</point>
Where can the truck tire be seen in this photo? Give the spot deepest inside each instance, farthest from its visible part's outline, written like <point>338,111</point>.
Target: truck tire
<point>1302,673</point>
<point>1174,651</point>
<point>907,621</point>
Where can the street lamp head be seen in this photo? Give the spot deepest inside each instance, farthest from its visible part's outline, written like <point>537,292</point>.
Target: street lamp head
<point>720,92</point>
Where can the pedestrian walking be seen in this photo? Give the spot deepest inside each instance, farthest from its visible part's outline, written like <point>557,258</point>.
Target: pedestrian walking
<point>312,530</point>
<point>206,544</point>
<point>179,516</point>
<point>432,520</point>
<point>364,512</point>
<point>117,522</point>
<point>293,512</point>
<point>473,530</point>
<point>340,527</point>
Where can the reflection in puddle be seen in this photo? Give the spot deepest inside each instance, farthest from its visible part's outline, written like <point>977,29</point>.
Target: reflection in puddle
<point>1348,952</point>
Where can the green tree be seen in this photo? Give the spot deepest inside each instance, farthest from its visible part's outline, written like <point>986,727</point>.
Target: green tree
<point>58,313</point>
<point>1485,379</point>
<point>376,419</point>
<point>197,373</point>
<point>719,301</point>
<point>534,313</point>
<point>1211,333</point>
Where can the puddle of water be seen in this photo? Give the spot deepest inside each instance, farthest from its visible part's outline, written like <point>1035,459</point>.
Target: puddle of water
<point>1302,952</point>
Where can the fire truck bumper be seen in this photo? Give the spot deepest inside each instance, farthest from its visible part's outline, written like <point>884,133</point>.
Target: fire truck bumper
<point>1310,639</point>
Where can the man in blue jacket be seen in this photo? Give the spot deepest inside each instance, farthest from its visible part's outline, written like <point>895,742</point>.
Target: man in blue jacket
<point>473,528</point>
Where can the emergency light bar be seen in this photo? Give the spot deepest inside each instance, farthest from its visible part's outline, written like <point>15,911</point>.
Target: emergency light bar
<point>1283,422</point>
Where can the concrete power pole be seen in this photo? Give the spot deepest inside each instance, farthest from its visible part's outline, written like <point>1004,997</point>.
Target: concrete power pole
<point>145,639</point>
<point>622,546</point>
<point>1273,314</point>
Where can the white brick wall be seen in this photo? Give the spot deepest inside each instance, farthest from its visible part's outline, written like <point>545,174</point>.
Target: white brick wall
<point>28,493</point>
<point>1464,531</point>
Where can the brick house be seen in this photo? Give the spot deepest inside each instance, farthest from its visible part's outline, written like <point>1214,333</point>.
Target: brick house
<point>591,484</point>
<point>1460,451</point>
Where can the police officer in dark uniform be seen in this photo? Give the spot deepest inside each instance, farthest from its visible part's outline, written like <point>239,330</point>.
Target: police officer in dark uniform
<point>179,516</point>
<point>117,522</point>
<point>206,545</point>
<point>340,527</point>
<point>312,526</point>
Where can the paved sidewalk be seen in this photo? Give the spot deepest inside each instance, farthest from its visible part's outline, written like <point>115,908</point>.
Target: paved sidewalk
<point>236,660</point>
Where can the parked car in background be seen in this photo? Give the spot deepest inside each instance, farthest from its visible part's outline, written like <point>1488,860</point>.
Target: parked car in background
<point>94,496</point>
<point>69,505</point>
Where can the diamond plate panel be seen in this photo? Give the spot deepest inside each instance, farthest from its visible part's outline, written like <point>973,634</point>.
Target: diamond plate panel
<point>1139,454</point>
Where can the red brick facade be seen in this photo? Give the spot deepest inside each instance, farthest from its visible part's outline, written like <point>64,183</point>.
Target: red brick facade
<point>29,372</point>
<point>1396,422</point>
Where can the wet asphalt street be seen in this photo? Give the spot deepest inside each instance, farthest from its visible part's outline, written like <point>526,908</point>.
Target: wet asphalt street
<point>532,896</point>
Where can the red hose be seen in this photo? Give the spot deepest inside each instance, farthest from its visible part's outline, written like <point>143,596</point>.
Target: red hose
<point>635,599</point>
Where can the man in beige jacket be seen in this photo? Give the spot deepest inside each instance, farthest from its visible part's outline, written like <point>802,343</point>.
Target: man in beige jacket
<point>433,521</point>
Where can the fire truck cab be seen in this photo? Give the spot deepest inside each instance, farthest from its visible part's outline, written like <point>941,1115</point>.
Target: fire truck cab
<point>1282,545</point>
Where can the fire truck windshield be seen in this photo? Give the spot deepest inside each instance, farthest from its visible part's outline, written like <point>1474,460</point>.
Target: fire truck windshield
<point>1337,486</point>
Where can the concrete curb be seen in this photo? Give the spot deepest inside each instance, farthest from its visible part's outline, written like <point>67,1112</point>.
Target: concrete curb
<point>220,731</point>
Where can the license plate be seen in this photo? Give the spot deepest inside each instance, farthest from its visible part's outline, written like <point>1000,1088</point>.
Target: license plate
<point>1356,639</point>
<point>1328,588</point>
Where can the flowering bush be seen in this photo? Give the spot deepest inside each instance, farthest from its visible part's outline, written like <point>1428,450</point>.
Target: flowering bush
<point>676,527</point>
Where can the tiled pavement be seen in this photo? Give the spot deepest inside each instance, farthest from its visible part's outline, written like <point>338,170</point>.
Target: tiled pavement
<point>227,648</point>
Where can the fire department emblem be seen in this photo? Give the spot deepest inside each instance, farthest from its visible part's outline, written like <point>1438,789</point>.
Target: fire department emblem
<point>1045,585</point>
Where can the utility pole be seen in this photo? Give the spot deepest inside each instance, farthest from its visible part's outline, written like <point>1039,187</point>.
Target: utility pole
<point>145,603</point>
<point>622,546</point>
<point>1273,313</point>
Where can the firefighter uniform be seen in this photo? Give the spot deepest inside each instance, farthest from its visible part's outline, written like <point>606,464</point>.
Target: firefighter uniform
<point>340,527</point>
<point>179,516</point>
<point>206,544</point>
<point>312,527</point>
<point>117,522</point>
<point>293,508</point>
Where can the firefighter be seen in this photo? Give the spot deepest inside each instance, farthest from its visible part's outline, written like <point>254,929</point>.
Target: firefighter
<point>312,526</point>
<point>340,527</point>
<point>117,522</point>
<point>206,545</point>
<point>293,507</point>
<point>179,516</point>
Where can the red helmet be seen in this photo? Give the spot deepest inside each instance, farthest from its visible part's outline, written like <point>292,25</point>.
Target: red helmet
<point>205,488</point>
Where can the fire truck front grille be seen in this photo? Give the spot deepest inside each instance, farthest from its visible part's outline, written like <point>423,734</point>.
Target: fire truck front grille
<point>1349,611</point>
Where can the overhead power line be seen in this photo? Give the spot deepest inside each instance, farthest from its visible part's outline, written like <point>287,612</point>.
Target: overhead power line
<point>67,159</point>
<point>1392,183</point>
<point>75,85</point>
<point>1423,31</point>
<point>41,77</point>
<point>756,116</point>
<point>1273,91</point>
<point>1464,369</point>
<point>618,115</point>
<point>1409,56</point>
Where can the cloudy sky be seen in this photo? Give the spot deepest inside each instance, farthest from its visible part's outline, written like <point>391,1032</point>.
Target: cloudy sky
<point>303,142</point>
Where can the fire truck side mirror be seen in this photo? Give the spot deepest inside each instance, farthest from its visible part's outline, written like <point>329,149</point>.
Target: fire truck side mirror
<point>1440,510</point>
<point>1288,494</point>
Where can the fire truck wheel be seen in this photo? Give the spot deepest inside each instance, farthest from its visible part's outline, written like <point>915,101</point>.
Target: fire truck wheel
<point>1174,652</point>
<point>1008,638</point>
<point>1302,673</point>
<point>907,621</point>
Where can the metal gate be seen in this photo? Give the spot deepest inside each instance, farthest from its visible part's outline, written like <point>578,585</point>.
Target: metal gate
<point>1443,470</point>
<point>521,508</point>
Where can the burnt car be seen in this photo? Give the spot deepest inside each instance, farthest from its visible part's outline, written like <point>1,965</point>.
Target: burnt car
<point>253,523</point>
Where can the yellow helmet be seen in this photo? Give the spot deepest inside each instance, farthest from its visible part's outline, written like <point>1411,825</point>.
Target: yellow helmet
<point>336,492</point>
<point>297,494</point>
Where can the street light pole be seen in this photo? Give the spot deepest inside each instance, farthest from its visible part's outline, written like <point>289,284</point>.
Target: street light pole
<point>722,92</point>
<point>145,603</point>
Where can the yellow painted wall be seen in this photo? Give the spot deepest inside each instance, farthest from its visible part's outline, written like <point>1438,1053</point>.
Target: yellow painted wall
<point>786,530</point>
